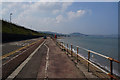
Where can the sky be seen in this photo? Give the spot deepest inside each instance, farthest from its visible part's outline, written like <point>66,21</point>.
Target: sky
<point>99,18</point>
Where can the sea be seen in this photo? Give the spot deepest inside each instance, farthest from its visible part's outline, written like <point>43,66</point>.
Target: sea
<point>107,46</point>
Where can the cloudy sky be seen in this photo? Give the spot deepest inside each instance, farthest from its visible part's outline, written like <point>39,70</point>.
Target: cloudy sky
<point>64,17</point>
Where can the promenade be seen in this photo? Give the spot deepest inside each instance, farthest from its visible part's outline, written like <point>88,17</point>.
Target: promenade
<point>49,61</point>
<point>46,60</point>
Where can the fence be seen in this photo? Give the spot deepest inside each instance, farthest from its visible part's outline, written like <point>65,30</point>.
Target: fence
<point>111,60</point>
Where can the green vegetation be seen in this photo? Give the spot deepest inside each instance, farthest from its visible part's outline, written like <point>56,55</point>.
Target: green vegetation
<point>11,28</point>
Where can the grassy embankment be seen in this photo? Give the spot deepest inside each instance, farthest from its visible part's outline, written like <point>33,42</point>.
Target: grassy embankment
<point>13,32</point>
<point>12,28</point>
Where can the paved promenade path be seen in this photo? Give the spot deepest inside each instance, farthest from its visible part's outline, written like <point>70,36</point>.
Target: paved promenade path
<point>50,62</point>
<point>47,61</point>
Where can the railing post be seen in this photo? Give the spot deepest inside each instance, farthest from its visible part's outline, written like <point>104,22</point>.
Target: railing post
<point>111,68</point>
<point>88,60</point>
<point>67,48</point>
<point>62,45</point>
<point>71,50</point>
<point>77,54</point>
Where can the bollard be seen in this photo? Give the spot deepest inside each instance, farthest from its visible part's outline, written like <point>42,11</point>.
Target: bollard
<point>71,51</point>
<point>77,54</point>
<point>88,60</point>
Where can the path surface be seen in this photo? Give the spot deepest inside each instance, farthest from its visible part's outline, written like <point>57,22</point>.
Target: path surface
<point>8,66</point>
<point>11,49</point>
<point>47,61</point>
<point>31,69</point>
<point>58,64</point>
<point>11,46</point>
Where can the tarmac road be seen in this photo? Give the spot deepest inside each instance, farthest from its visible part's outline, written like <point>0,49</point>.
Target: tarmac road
<point>8,66</point>
<point>31,69</point>
<point>11,49</point>
<point>11,46</point>
<point>47,62</point>
<point>43,60</point>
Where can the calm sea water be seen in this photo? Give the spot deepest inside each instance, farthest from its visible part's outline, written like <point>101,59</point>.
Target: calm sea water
<point>107,46</point>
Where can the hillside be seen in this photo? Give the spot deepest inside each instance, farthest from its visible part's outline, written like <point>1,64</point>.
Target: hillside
<point>77,34</point>
<point>52,33</point>
<point>13,32</point>
<point>11,28</point>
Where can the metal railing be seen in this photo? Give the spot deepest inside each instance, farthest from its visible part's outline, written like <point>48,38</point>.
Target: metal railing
<point>111,60</point>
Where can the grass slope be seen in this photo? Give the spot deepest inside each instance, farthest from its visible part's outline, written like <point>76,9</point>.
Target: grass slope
<point>11,28</point>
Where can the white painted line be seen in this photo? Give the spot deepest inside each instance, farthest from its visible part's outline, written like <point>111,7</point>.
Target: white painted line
<point>19,68</point>
<point>47,62</point>
<point>14,57</point>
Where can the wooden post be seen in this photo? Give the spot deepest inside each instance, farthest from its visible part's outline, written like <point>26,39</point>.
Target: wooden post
<point>67,49</point>
<point>111,68</point>
<point>77,54</point>
<point>62,45</point>
<point>88,60</point>
<point>71,50</point>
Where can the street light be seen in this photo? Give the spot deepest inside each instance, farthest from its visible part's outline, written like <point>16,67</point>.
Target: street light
<point>10,17</point>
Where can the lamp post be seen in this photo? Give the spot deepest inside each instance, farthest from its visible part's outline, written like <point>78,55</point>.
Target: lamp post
<point>10,17</point>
